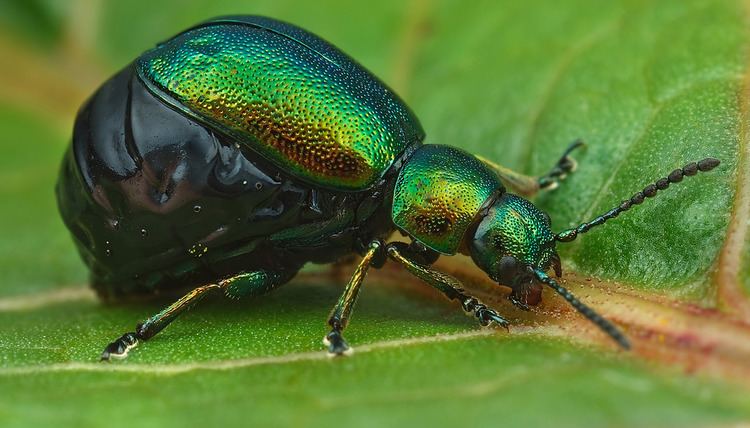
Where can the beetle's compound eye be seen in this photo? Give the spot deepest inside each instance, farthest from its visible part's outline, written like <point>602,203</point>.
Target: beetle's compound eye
<point>513,272</point>
<point>510,270</point>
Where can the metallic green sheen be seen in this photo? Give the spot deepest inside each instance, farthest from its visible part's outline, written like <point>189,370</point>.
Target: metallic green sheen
<point>513,227</point>
<point>438,194</point>
<point>287,95</point>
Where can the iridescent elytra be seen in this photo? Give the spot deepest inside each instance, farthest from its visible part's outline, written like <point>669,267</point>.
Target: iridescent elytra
<point>227,157</point>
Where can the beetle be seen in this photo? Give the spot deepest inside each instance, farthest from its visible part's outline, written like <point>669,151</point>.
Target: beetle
<point>230,155</point>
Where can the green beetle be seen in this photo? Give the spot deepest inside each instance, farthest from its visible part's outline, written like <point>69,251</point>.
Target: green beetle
<point>229,156</point>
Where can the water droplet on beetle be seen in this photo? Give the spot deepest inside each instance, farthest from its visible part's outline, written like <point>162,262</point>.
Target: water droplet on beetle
<point>258,185</point>
<point>144,232</point>
<point>197,209</point>
<point>244,182</point>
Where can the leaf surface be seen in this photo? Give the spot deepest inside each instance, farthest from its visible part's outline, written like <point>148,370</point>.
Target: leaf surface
<point>649,86</point>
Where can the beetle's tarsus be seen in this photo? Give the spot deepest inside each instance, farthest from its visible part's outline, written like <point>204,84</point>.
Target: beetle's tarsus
<point>336,344</point>
<point>487,316</point>
<point>119,348</point>
<point>565,165</point>
<point>570,165</point>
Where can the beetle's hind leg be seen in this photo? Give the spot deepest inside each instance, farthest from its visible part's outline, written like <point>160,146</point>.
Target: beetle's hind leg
<point>528,186</point>
<point>241,285</point>
<point>147,329</point>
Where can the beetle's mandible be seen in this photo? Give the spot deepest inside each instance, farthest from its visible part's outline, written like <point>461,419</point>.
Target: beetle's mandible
<point>227,157</point>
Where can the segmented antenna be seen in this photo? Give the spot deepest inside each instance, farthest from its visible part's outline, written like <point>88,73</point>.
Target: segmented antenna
<point>589,313</point>
<point>648,192</point>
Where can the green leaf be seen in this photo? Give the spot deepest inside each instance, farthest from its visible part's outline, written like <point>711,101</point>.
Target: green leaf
<point>38,21</point>
<point>645,94</point>
<point>649,86</point>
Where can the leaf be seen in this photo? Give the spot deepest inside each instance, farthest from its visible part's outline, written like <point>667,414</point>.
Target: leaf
<point>38,21</point>
<point>650,87</point>
<point>623,79</point>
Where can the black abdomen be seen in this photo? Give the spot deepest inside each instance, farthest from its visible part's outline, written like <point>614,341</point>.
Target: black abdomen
<point>157,201</point>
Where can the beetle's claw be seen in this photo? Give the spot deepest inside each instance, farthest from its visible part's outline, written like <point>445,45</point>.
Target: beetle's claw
<point>336,344</point>
<point>119,348</point>
<point>487,316</point>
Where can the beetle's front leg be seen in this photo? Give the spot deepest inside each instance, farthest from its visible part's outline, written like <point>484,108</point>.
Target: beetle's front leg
<point>563,167</point>
<point>527,185</point>
<point>448,285</point>
<point>341,313</point>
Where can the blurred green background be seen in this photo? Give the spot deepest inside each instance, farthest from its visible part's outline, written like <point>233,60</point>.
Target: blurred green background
<point>649,86</point>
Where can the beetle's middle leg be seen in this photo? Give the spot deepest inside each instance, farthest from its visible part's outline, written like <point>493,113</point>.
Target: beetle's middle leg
<point>244,284</point>
<point>341,313</point>
<point>528,186</point>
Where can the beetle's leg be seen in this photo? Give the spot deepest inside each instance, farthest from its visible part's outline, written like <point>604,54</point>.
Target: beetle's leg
<point>341,313</point>
<point>528,186</point>
<point>237,286</point>
<point>448,285</point>
<point>145,330</point>
<point>564,166</point>
<point>521,184</point>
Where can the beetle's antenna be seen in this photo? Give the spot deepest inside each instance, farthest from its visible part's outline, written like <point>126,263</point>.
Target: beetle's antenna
<point>648,192</point>
<point>589,313</point>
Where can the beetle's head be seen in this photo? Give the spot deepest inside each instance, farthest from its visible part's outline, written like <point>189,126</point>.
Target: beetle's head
<point>511,236</point>
<point>512,242</point>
